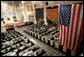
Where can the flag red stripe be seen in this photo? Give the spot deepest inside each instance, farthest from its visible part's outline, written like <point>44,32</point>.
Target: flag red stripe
<point>73,17</point>
<point>77,22</point>
<point>61,35</point>
<point>67,36</point>
<point>64,35</point>
<point>59,30</point>
<point>80,36</point>
<point>71,42</point>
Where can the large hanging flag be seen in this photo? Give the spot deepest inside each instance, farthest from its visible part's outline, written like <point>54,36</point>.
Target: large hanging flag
<point>71,25</point>
<point>39,14</point>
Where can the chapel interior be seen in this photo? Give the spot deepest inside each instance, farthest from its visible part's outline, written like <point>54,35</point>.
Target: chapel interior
<point>42,28</point>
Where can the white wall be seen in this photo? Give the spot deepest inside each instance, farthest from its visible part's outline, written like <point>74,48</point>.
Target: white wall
<point>28,14</point>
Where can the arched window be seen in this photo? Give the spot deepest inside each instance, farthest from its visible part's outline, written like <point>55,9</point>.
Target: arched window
<point>4,9</point>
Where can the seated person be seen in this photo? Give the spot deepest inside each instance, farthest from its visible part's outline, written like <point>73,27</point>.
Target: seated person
<point>3,29</point>
<point>49,21</point>
<point>15,18</point>
<point>34,54</point>
<point>13,53</point>
<point>26,53</point>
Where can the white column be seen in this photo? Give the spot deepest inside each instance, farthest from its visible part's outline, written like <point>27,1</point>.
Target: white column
<point>17,14</point>
<point>25,14</point>
<point>45,20</point>
<point>1,13</point>
<point>35,22</point>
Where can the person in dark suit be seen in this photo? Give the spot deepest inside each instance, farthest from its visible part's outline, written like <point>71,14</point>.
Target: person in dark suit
<point>49,21</point>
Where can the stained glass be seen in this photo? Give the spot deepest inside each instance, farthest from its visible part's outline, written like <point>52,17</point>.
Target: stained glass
<point>7,11</point>
<point>4,9</point>
<point>40,3</point>
<point>12,12</point>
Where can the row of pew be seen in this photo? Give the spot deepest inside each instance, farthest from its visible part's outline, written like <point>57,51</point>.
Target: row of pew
<point>14,43</point>
<point>48,34</point>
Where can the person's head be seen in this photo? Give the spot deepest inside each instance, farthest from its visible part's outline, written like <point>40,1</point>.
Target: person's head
<point>25,37</point>
<point>11,44</point>
<point>14,50</point>
<point>33,54</point>
<point>30,49</point>
<point>2,19</point>
<point>3,22</point>
<point>8,19</point>
<point>23,52</point>
<point>14,17</point>
<point>17,45</point>
<point>24,42</point>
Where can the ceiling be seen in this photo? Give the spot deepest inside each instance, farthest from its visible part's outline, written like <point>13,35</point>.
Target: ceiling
<point>13,3</point>
<point>19,3</point>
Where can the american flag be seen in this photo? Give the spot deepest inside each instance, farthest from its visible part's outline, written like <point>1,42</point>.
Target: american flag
<point>71,25</point>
